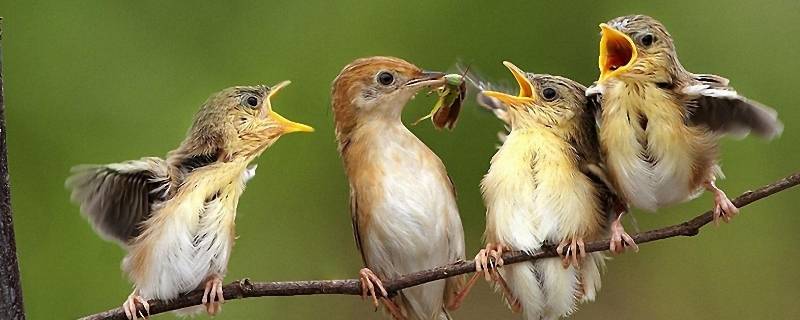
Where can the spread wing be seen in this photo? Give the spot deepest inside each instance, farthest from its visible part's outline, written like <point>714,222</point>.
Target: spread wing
<point>117,197</point>
<point>714,104</point>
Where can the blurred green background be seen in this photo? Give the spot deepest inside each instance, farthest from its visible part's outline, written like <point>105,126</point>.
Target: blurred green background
<point>106,81</point>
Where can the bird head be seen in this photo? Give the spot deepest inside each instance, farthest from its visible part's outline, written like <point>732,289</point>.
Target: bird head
<point>637,47</point>
<point>376,88</point>
<point>543,101</point>
<point>237,123</point>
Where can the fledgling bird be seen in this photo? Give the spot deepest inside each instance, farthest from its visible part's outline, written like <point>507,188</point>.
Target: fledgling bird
<point>175,216</point>
<point>546,185</point>
<point>402,202</point>
<point>659,124</point>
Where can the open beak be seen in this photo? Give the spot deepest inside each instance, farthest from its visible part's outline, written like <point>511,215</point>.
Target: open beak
<point>287,125</point>
<point>426,79</point>
<point>525,96</point>
<point>617,52</point>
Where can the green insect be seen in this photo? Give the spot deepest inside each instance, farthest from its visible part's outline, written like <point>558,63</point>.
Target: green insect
<point>451,95</point>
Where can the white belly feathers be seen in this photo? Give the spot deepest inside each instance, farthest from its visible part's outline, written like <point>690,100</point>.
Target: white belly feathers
<point>192,240</point>
<point>648,146</point>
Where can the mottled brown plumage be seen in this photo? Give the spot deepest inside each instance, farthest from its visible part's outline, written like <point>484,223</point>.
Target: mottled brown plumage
<point>659,123</point>
<point>546,184</point>
<point>175,217</point>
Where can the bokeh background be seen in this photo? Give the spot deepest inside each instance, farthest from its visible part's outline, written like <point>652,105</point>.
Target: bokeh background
<point>106,81</point>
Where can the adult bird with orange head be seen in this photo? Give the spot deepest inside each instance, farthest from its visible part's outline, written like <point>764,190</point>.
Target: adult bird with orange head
<point>402,202</point>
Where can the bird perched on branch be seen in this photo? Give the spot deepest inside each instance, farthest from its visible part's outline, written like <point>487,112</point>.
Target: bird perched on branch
<point>660,124</point>
<point>402,202</point>
<point>175,217</point>
<point>545,185</point>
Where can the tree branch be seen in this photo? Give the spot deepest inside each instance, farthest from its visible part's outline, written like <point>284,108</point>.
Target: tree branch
<point>10,288</point>
<point>247,289</point>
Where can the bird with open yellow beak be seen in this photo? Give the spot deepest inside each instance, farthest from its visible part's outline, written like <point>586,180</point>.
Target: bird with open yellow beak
<point>660,125</point>
<point>402,202</point>
<point>175,217</point>
<point>545,185</point>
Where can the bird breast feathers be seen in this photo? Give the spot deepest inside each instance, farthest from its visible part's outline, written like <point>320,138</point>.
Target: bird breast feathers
<point>534,187</point>
<point>189,236</point>
<point>650,150</point>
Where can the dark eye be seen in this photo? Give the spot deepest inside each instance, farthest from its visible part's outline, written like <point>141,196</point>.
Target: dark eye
<point>549,94</point>
<point>251,101</point>
<point>648,39</point>
<point>385,78</point>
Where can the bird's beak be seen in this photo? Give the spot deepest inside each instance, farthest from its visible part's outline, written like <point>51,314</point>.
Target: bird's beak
<point>426,79</point>
<point>286,124</point>
<point>617,52</point>
<point>525,96</point>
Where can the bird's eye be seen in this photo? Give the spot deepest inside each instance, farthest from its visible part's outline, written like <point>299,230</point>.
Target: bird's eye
<point>251,101</point>
<point>385,78</point>
<point>648,39</point>
<point>549,94</point>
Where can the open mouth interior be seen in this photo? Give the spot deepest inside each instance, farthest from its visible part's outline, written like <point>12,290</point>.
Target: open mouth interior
<point>618,53</point>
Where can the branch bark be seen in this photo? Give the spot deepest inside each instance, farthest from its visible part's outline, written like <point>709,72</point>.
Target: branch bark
<point>10,287</point>
<point>247,289</point>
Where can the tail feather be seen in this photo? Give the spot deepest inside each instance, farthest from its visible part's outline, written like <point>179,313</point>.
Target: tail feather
<point>559,286</point>
<point>523,281</point>
<point>593,268</point>
<point>548,291</point>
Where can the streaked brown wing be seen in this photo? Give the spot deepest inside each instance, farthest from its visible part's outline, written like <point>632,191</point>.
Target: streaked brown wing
<point>712,103</point>
<point>117,198</point>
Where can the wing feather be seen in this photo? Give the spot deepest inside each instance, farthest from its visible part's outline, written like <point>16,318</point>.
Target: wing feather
<point>712,103</point>
<point>354,220</point>
<point>117,198</point>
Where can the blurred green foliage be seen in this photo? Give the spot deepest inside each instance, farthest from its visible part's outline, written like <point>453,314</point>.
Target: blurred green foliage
<point>106,81</point>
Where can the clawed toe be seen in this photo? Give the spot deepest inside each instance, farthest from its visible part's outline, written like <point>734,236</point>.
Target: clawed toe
<point>489,259</point>
<point>724,209</point>
<point>213,296</point>
<point>572,252</point>
<point>129,306</point>
<point>620,239</point>
<point>370,281</point>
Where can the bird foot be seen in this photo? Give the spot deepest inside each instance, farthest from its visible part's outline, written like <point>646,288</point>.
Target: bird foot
<point>620,239</point>
<point>212,295</point>
<point>572,252</point>
<point>129,306</point>
<point>724,209</point>
<point>370,281</point>
<point>489,259</point>
<point>486,262</point>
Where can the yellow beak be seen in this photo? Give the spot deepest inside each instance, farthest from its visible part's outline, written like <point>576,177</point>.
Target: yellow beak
<point>617,52</point>
<point>525,96</point>
<point>287,125</point>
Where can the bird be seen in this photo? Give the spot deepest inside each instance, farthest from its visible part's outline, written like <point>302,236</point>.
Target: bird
<point>660,125</point>
<point>545,186</point>
<point>402,201</point>
<point>175,216</point>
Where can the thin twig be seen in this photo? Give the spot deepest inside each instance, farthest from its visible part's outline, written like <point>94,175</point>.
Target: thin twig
<point>247,289</point>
